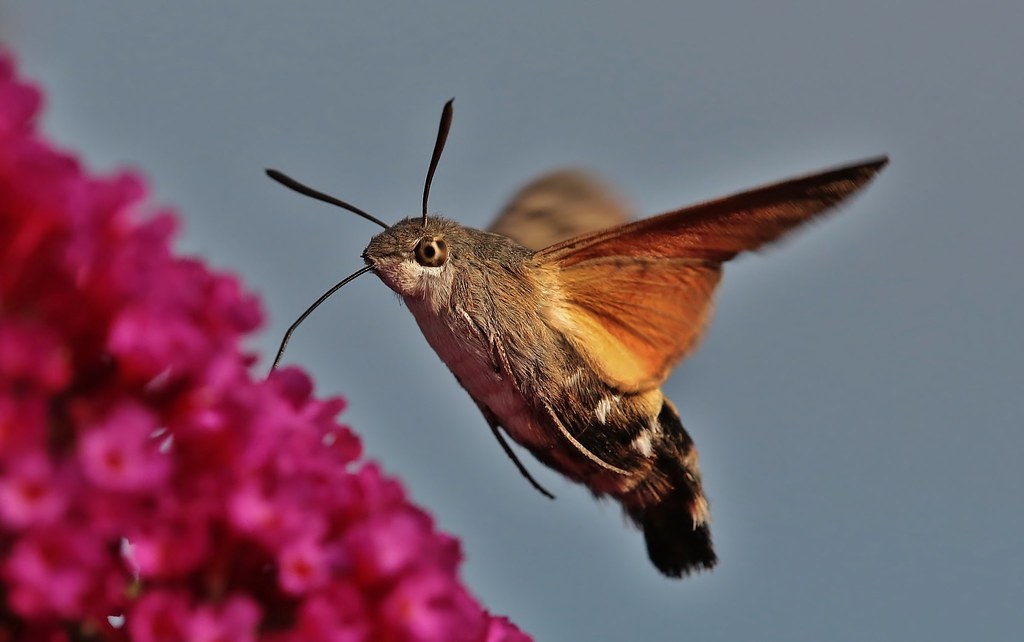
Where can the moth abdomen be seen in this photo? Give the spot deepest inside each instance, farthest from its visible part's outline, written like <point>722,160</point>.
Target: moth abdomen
<point>669,504</point>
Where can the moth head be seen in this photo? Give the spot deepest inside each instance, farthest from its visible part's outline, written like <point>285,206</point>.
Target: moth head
<point>416,259</point>
<point>411,256</point>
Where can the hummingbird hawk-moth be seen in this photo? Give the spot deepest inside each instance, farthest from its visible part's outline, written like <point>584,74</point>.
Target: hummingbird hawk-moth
<point>564,337</point>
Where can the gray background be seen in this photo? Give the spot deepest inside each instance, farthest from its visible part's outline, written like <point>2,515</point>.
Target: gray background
<point>857,404</point>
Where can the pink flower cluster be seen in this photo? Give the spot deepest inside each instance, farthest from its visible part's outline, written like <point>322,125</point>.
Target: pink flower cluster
<point>150,488</point>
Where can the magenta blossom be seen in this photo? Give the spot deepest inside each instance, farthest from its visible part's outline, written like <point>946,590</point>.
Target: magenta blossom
<point>151,487</point>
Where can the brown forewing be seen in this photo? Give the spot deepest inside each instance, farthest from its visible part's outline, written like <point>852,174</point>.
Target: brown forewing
<point>634,299</point>
<point>719,229</point>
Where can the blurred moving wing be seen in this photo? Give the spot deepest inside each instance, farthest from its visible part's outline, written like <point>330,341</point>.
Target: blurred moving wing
<point>559,206</point>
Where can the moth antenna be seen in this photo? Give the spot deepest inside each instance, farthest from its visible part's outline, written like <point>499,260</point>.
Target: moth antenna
<point>442,136</point>
<point>305,190</point>
<point>302,317</point>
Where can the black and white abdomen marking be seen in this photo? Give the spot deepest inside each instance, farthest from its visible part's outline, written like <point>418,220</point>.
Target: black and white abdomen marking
<point>669,503</point>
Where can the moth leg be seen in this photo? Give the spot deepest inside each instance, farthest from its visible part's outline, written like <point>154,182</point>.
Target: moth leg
<point>499,362</point>
<point>492,421</point>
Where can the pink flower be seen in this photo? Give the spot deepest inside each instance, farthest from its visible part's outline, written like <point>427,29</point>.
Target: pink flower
<point>151,487</point>
<point>168,542</point>
<point>57,574</point>
<point>499,629</point>
<point>159,616</point>
<point>430,606</point>
<point>340,613</point>
<point>20,101</point>
<point>237,620</point>
<point>391,543</point>
<point>34,367</point>
<point>30,492</point>
<point>306,564</point>
<point>124,451</point>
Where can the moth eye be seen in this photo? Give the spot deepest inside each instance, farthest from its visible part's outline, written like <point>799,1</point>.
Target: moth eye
<point>431,251</point>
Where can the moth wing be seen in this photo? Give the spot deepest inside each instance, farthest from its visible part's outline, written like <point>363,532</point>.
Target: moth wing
<point>557,206</point>
<point>720,229</point>
<point>632,318</point>
<point>634,299</point>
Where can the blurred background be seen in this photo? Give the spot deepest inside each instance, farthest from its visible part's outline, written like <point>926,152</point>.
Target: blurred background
<point>858,402</point>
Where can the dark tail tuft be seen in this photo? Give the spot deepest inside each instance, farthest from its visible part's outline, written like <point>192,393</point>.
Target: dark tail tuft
<point>675,544</point>
<point>670,505</point>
